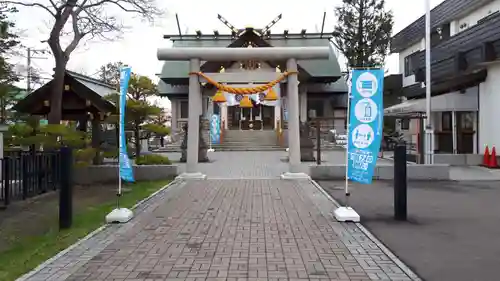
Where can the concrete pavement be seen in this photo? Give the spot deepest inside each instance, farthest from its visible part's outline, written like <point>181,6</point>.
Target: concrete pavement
<point>452,230</point>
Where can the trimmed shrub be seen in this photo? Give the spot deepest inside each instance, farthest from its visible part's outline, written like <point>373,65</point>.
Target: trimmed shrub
<point>152,159</point>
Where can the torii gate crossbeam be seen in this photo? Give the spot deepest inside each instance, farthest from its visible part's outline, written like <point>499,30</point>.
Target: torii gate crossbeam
<point>234,54</point>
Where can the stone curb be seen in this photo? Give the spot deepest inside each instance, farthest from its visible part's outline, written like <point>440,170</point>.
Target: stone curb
<point>37,269</point>
<point>377,242</point>
<point>384,172</point>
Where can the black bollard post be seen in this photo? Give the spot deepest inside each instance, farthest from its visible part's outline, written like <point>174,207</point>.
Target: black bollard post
<point>318,142</point>
<point>66,188</point>
<point>6,161</point>
<point>400,183</point>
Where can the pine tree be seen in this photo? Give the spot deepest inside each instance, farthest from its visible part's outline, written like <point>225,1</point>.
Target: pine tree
<point>142,116</point>
<point>363,32</point>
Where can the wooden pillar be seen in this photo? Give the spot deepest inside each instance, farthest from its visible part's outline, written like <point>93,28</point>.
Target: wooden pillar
<point>96,137</point>
<point>82,123</point>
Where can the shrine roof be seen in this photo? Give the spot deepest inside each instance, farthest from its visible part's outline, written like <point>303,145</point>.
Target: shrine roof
<point>176,72</point>
<point>82,89</point>
<point>99,87</point>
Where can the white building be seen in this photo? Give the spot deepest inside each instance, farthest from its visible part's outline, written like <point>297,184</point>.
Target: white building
<point>465,75</point>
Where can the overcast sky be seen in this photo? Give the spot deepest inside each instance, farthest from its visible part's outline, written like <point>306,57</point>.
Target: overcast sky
<point>139,44</point>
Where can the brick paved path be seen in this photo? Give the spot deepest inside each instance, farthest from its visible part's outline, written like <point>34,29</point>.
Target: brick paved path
<point>229,230</point>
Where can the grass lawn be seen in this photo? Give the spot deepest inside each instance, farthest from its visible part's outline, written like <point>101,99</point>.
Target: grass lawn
<point>25,251</point>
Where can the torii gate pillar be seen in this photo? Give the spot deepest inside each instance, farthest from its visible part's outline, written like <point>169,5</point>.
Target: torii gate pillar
<point>290,54</point>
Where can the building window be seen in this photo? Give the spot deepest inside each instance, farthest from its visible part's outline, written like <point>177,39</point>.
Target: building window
<point>184,108</point>
<point>408,66</point>
<point>405,124</point>
<point>467,121</point>
<point>446,123</point>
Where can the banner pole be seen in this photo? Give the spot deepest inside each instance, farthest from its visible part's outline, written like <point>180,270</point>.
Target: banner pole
<point>118,194</point>
<point>122,215</point>
<point>347,151</point>
<point>348,116</point>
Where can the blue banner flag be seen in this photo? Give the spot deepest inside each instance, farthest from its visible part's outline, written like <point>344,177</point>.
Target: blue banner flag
<point>215,129</point>
<point>126,172</point>
<point>365,123</point>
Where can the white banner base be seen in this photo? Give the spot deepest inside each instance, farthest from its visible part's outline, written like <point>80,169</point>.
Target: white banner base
<point>346,214</point>
<point>119,215</point>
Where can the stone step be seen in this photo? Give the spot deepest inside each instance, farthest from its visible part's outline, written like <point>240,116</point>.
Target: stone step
<point>246,148</point>
<point>235,148</point>
<point>250,139</point>
<point>244,145</point>
<point>250,149</point>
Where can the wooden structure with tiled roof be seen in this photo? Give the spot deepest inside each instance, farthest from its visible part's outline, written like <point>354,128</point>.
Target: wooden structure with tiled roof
<point>83,101</point>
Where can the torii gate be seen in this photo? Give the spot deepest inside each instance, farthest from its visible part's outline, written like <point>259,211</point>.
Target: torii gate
<point>290,54</point>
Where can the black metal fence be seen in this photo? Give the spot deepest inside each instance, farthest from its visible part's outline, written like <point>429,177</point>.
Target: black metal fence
<point>28,174</point>
<point>328,132</point>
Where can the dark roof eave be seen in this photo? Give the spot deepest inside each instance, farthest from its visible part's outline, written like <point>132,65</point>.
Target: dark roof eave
<point>176,80</point>
<point>441,14</point>
<point>465,81</point>
<point>172,95</point>
<point>25,105</point>
<point>323,79</point>
<point>318,79</point>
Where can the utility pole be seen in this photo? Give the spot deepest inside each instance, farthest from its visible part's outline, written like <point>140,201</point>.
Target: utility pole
<point>28,75</point>
<point>29,57</point>
<point>429,132</point>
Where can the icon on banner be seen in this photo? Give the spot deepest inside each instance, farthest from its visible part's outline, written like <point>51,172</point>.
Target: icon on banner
<point>238,98</point>
<point>366,110</point>
<point>362,136</point>
<point>214,121</point>
<point>125,161</point>
<point>367,84</point>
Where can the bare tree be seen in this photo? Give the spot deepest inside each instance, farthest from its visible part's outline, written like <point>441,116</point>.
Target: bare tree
<point>86,19</point>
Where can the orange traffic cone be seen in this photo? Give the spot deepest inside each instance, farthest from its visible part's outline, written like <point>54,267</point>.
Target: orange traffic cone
<point>486,158</point>
<point>493,158</point>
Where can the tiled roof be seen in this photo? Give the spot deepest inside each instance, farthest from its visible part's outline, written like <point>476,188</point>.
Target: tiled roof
<point>99,87</point>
